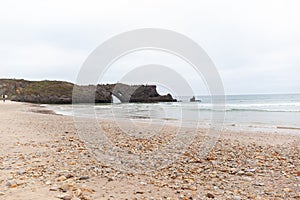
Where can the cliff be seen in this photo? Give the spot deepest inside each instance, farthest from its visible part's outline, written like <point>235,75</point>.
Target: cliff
<point>60,92</point>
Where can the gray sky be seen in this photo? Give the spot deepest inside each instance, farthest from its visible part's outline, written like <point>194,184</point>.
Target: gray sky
<point>254,44</point>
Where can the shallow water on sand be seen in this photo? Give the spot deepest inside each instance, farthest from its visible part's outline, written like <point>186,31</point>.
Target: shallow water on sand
<point>242,112</point>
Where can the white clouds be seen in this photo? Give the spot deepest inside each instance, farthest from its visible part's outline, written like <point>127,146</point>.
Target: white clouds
<point>249,38</point>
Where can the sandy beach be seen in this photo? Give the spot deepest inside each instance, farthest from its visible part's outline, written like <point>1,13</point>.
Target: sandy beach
<point>42,157</point>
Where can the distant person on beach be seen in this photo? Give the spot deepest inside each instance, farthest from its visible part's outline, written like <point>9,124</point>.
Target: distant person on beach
<point>3,97</point>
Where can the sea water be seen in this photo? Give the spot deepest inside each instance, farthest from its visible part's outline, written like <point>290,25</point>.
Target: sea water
<point>241,112</point>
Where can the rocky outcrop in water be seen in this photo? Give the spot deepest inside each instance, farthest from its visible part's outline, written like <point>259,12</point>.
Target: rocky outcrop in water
<point>60,92</point>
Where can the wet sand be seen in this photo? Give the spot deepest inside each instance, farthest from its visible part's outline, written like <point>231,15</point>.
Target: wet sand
<point>42,157</point>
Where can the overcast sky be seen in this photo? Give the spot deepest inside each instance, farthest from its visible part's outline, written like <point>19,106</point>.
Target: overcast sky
<point>255,45</point>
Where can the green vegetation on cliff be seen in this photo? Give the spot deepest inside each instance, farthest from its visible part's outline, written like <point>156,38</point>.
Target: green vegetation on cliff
<point>50,88</point>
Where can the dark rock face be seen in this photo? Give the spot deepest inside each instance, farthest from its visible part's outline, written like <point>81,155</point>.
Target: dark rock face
<point>91,94</point>
<point>59,92</point>
<point>125,93</point>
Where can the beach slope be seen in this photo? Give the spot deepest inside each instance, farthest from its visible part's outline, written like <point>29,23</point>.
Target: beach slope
<point>42,157</point>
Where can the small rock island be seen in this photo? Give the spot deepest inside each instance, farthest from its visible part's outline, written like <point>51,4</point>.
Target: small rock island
<point>61,92</point>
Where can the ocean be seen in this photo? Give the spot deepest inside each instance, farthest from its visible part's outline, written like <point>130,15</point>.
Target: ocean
<point>268,112</point>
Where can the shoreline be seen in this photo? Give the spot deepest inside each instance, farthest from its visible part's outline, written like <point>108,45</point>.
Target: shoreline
<point>280,128</point>
<point>279,132</point>
<point>43,158</point>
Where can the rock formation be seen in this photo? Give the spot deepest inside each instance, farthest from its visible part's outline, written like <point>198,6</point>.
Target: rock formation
<point>60,92</point>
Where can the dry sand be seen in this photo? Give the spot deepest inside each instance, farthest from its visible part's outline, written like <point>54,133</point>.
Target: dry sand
<point>42,157</point>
